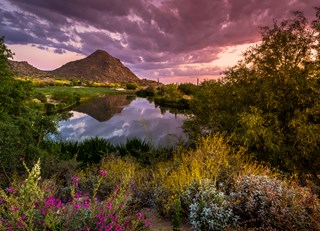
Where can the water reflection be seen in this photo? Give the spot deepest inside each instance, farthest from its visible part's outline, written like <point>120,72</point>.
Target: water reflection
<point>108,118</point>
<point>103,108</point>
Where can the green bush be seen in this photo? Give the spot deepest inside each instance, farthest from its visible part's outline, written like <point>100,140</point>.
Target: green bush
<point>187,88</point>
<point>131,86</point>
<point>40,96</point>
<point>150,91</point>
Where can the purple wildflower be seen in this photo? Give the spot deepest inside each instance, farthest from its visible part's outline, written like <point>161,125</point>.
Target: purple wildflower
<point>50,202</point>
<point>24,217</point>
<point>147,224</point>
<point>140,216</point>
<point>102,172</point>
<point>78,195</point>
<point>10,190</point>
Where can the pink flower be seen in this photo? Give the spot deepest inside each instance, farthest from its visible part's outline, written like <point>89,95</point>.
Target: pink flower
<point>59,204</point>
<point>77,206</point>
<point>147,224</point>
<point>109,205</point>
<point>75,180</point>
<point>78,195</point>
<point>102,173</point>
<point>10,190</point>
<point>23,217</point>
<point>140,216</point>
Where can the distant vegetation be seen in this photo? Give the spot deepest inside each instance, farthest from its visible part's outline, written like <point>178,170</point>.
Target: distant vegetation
<point>252,164</point>
<point>170,95</point>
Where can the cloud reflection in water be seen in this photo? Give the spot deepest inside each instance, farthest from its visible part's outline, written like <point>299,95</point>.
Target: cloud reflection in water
<point>139,119</point>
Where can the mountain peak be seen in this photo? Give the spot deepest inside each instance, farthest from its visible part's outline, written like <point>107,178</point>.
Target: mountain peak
<point>100,66</point>
<point>100,53</point>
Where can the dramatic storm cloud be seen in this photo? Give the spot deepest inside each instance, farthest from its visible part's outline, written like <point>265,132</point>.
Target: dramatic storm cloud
<point>155,38</point>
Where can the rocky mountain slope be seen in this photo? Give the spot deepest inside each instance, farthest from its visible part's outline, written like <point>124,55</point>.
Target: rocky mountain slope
<point>24,69</point>
<point>98,67</point>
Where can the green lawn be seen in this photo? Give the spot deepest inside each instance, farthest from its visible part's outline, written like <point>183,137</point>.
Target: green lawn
<point>83,92</point>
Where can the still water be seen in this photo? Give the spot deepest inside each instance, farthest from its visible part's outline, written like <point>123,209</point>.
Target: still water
<point>118,118</point>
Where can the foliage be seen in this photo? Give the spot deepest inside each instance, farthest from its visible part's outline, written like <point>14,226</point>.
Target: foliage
<point>176,215</point>
<point>30,207</point>
<point>179,103</point>
<point>95,84</point>
<point>262,201</point>
<point>210,160</point>
<point>62,82</point>
<point>147,92</point>
<point>170,90</point>
<point>92,150</point>
<point>210,210</point>
<point>187,88</point>
<point>132,86</point>
<point>23,123</point>
<point>269,101</point>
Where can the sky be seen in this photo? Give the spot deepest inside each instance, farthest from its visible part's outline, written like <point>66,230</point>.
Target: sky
<point>169,40</point>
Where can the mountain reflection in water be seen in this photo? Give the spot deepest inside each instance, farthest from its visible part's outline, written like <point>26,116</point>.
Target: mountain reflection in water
<point>117,119</point>
<point>103,108</point>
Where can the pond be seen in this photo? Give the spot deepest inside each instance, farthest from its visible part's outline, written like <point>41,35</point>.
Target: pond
<point>119,117</point>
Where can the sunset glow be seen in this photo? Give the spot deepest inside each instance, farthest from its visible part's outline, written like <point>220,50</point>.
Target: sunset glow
<point>170,40</point>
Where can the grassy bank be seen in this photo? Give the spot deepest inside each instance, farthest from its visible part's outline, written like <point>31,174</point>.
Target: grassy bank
<point>61,98</point>
<point>83,92</point>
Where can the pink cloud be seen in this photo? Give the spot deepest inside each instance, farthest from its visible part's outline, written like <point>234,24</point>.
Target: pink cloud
<point>149,36</point>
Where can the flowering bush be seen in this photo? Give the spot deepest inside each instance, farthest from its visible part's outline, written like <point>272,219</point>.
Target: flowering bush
<point>32,208</point>
<point>261,201</point>
<point>210,209</point>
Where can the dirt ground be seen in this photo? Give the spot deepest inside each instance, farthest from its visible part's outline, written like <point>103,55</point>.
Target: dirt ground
<point>159,223</point>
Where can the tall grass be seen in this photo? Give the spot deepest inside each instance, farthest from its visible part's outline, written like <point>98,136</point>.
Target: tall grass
<point>91,151</point>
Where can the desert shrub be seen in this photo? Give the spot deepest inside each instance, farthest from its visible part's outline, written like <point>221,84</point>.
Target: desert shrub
<point>187,88</point>
<point>173,177</point>
<point>58,82</point>
<point>261,201</point>
<point>210,210</point>
<point>113,85</point>
<point>149,91</point>
<point>120,174</point>
<point>29,206</point>
<point>39,83</point>
<point>212,159</point>
<point>131,86</point>
<point>96,84</point>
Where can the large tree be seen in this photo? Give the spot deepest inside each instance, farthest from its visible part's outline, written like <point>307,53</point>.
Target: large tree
<point>23,123</point>
<point>270,100</point>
